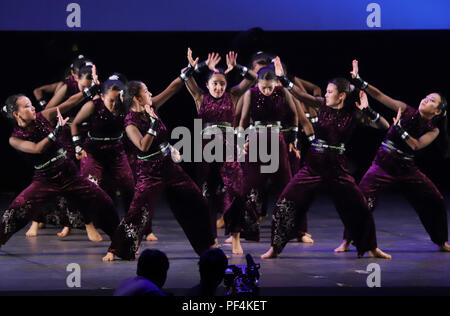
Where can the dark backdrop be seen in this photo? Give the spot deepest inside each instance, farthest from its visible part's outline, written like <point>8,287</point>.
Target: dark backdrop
<point>406,65</point>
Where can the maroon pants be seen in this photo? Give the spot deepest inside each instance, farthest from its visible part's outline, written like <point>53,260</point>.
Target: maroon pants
<point>185,200</point>
<point>110,170</point>
<point>64,180</point>
<point>221,184</point>
<point>417,188</point>
<point>299,194</point>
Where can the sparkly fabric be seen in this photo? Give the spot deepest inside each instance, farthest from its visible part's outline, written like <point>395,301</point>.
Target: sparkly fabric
<point>414,124</point>
<point>35,132</point>
<point>217,110</point>
<point>329,170</point>
<point>103,123</point>
<point>268,108</point>
<point>142,122</point>
<point>389,170</point>
<point>221,182</point>
<point>184,197</point>
<point>61,179</point>
<point>108,157</point>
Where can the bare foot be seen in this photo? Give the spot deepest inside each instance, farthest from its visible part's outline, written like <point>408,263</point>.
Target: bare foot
<point>32,232</point>
<point>64,233</point>
<point>236,241</point>
<point>109,257</point>
<point>445,248</point>
<point>92,233</point>
<point>306,239</point>
<point>344,247</point>
<point>41,225</point>
<point>215,244</point>
<point>310,236</point>
<point>229,240</point>
<point>270,254</point>
<point>151,237</point>
<point>220,222</point>
<point>377,253</point>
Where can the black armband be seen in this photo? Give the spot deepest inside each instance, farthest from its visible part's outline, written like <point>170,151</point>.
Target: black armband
<point>76,139</point>
<point>359,83</point>
<point>401,131</point>
<point>187,73</point>
<point>153,129</point>
<point>53,135</point>
<point>200,67</point>
<point>372,114</point>
<point>292,136</point>
<point>42,104</point>
<point>311,137</point>
<point>245,72</point>
<point>92,91</point>
<point>288,84</point>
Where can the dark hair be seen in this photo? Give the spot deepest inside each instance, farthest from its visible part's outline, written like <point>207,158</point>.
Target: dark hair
<point>351,93</point>
<point>85,70</point>
<point>212,264</point>
<point>441,122</point>
<point>116,82</point>
<point>79,63</point>
<point>132,89</point>
<point>267,73</point>
<point>153,265</point>
<point>220,71</point>
<point>11,106</point>
<point>261,58</point>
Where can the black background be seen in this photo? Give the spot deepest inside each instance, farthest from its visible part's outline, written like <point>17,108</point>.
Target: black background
<point>406,65</point>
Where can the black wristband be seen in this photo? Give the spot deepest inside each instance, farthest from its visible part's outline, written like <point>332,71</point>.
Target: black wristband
<point>153,128</point>
<point>371,113</point>
<point>401,131</point>
<point>244,71</point>
<point>187,73</point>
<point>311,137</point>
<point>76,139</point>
<point>92,91</point>
<point>53,135</point>
<point>292,135</point>
<point>288,84</point>
<point>359,83</point>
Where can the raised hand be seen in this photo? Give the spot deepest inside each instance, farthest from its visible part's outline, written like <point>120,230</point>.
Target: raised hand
<point>278,67</point>
<point>61,120</point>
<point>231,61</point>
<point>150,111</point>
<point>212,61</point>
<point>364,101</point>
<point>94,75</point>
<point>355,70</point>
<point>191,60</point>
<point>293,149</point>
<point>397,119</point>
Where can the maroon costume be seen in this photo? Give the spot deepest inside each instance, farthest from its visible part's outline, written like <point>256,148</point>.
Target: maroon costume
<point>105,152</point>
<point>264,110</point>
<point>394,165</point>
<point>221,182</point>
<point>52,179</point>
<point>327,167</point>
<point>154,175</point>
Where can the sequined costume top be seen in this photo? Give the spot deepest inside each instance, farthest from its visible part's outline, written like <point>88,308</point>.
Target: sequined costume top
<point>142,122</point>
<point>35,132</point>
<point>267,108</point>
<point>215,110</point>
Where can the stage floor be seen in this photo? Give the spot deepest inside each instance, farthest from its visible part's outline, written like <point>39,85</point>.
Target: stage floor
<point>39,264</point>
